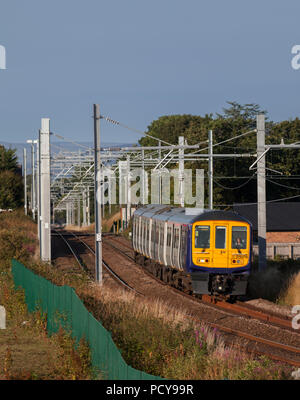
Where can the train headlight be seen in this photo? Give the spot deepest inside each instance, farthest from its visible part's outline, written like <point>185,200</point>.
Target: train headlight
<point>202,260</point>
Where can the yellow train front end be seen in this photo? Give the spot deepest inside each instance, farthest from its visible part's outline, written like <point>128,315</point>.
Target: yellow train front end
<point>221,256</point>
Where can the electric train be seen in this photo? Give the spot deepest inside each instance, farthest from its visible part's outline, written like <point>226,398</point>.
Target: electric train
<point>197,251</point>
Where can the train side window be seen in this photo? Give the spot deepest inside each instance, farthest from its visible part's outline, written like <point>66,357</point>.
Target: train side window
<point>160,234</point>
<point>220,237</point>
<point>169,236</point>
<point>175,238</point>
<point>202,237</point>
<point>147,231</point>
<point>239,237</point>
<point>153,233</point>
<point>176,241</point>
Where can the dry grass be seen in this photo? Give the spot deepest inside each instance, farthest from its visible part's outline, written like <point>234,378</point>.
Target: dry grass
<point>107,224</point>
<point>143,307</point>
<point>273,283</point>
<point>291,296</point>
<point>26,352</point>
<point>153,336</point>
<point>77,228</point>
<point>162,340</point>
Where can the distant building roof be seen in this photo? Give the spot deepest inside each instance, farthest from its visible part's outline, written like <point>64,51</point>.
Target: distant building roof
<point>280,216</point>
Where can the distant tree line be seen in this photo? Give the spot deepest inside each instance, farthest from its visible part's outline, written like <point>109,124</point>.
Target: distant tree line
<point>233,182</point>
<point>11,183</point>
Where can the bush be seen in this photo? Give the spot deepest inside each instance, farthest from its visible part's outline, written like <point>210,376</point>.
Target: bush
<point>11,190</point>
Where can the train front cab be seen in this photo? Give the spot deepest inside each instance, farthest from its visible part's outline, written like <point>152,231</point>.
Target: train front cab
<point>221,257</point>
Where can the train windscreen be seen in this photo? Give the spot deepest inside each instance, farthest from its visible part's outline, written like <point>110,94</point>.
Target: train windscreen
<point>239,237</point>
<point>202,237</point>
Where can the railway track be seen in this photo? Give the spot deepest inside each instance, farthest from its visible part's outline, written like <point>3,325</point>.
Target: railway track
<point>92,251</point>
<point>79,262</point>
<point>285,352</point>
<point>238,307</point>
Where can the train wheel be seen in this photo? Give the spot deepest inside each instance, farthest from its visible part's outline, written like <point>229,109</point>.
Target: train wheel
<point>231,299</point>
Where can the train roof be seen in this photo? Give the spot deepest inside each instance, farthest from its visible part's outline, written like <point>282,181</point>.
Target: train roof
<point>186,215</point>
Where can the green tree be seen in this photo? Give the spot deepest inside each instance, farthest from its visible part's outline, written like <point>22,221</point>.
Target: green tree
<point>11,190</point>
<point>8,159</point>
<point>235,120</point>
<point>11,185</point>
<point>169,127</point>
<point>237,111</point>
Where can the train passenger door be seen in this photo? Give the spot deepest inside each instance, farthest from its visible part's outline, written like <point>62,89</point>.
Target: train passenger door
<point>176,247</point>
<point>182,253</point>
<point>221,240</point>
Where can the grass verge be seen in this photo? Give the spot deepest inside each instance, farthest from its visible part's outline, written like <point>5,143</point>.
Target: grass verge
<point>157,338</point>
<point>26,351</point>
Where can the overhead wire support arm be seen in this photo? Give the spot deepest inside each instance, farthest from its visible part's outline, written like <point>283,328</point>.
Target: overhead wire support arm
<point>228,140</point>
<point>70,141</point>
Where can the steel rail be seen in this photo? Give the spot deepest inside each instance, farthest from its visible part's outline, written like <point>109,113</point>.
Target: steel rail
<point>235,332</point>
<point>239,307</point>
<point>251,311</point>
<point>116,276</point>
<point>70,248</point>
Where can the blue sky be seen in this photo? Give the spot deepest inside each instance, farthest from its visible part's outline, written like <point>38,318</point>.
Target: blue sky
<point>142,59</point>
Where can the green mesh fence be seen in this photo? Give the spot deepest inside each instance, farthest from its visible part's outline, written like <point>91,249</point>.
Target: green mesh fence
<point>64,308</point>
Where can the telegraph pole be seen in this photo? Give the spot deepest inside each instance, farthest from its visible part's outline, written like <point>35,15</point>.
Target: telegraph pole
<point>98,222</point>
<point>181,170</point>
<point>72,214</point>
<point>45,243</point>
<point>102,195</point>
<point>261,192</point>
<point>32,191</point>
<point>68,214</point>
<point>128,193</point>
<point>143,177</point>
<point>25,180</point>
<point>109,192</point>
<point>88,207</point>
<point>210,171</point>
<point>84,206</point>
<point>38,187</point>
<point>78,211</point>
<point>33,181</point>
<point>159,174</point>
